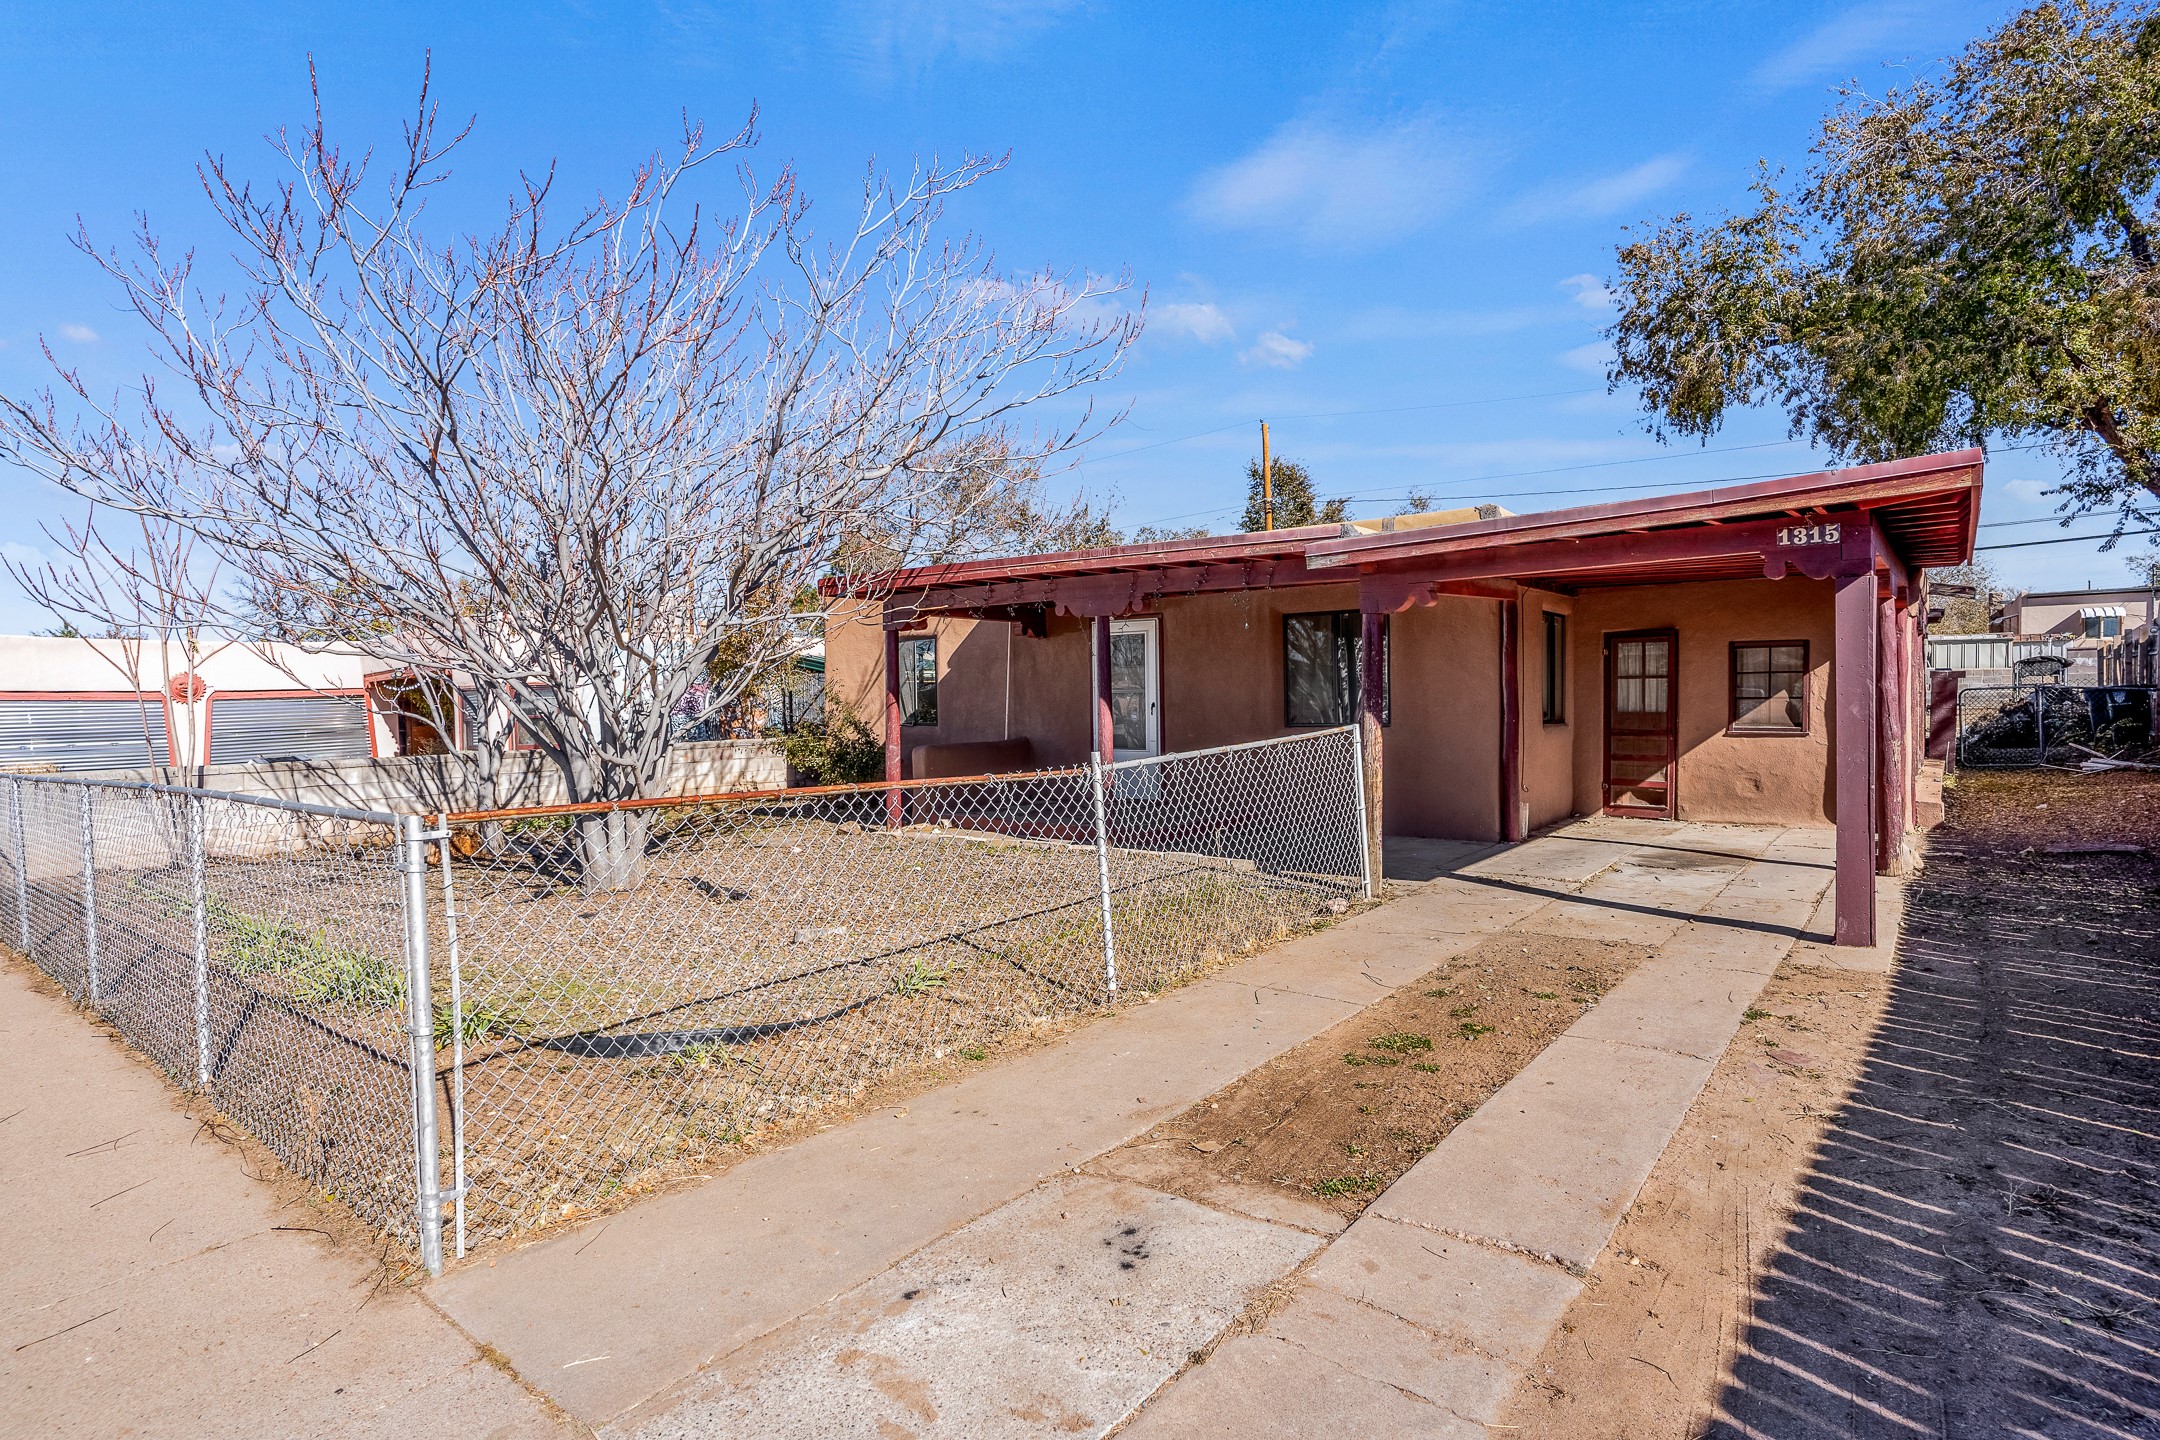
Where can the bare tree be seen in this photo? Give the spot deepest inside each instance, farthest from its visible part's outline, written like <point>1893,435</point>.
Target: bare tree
<point>147,606</point>
<point>574,459</point>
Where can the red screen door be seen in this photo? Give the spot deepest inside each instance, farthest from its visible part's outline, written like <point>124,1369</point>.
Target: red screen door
<point>1641,723</point>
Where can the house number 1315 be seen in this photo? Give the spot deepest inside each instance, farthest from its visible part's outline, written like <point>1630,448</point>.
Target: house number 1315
<point>1808,535</point>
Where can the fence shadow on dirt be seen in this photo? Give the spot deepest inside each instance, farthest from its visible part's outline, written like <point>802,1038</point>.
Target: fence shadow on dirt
<point>1977,1249</point>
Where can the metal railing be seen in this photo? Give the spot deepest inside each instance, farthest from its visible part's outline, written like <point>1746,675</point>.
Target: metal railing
<point>598,998</point>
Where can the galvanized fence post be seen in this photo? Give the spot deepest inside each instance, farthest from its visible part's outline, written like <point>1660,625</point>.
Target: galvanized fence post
<point>89,895</point>
<point>420,1028</point>
<point>22,870</point>
<point>1102,872</point>
<point>457,1038</point>
<point>1357,786</point>
<point>199,886</point>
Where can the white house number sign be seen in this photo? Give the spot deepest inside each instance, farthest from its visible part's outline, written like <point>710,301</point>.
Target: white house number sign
<point>1809,534</point>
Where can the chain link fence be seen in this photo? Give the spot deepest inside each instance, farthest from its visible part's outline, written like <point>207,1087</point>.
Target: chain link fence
<point>597,998</point>
<point>254,950</point>
<point>2005,726</point>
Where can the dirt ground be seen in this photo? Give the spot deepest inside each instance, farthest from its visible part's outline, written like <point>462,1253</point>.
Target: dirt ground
<point>1338,1119</point>
<point>1918,1204</point>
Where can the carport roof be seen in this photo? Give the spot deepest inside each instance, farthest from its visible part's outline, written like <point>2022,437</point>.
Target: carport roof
<point>1927,508</point>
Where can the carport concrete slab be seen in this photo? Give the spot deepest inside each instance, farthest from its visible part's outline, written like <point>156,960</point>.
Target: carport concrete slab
<point>1671,1004</point>
<point>1605,920</point>
<point>1061,1311</point>
<point>1728,945</point>
<point>1257,1385</point>
<point>1413,860</point>
<point>1570,858</point>
<point>1459,907</point>
<point>1490,1302</point>
<point>1553,1159</point>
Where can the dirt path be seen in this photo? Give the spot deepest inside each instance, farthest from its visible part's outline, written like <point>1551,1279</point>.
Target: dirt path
<point>1947,1227</point>
<point>1343,1116</point>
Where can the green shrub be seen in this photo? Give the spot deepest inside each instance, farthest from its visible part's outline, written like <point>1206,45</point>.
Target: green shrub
<point>839,750</point>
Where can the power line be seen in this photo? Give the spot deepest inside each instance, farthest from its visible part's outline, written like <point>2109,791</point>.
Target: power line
<point>1339,415</point>
<point>2068,539</point>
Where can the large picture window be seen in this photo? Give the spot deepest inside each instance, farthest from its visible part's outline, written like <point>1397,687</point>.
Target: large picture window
<point>918,680</point>
<point>1322,668</point>
<point>1769,688</point>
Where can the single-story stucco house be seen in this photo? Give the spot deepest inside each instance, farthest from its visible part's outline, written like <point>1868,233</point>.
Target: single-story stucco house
<point>1744,654</point>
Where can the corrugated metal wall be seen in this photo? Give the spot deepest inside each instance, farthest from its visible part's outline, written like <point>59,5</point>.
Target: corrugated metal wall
<point>306,727</point>
<point>84,734</point>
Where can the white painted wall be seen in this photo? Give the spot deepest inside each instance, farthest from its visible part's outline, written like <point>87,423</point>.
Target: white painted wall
<point>49,664</point>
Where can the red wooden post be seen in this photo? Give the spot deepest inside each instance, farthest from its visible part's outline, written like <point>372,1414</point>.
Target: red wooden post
<point>1511,806</point>
<point>1372,693</point>
<point>892,723</point>
<point>1886,726</point>
<point>1853,694</point>
<point>1105,732</point>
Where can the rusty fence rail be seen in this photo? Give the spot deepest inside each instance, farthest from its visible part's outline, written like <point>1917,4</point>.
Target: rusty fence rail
<point>492,1022</point>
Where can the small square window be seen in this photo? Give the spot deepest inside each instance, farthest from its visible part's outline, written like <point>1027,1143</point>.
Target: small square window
<point>918,680</point>
<point>1769,687</point>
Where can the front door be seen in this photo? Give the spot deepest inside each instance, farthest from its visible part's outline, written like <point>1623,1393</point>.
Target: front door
<point>1641,723</point>
<point>1136,687</point>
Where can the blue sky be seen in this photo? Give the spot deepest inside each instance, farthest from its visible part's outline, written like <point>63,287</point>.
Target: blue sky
<point>1380,227</point>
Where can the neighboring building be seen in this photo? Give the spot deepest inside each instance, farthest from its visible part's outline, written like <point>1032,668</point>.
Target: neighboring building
<point>2086,622</point>
<point>1691,657</point>
<point>93,704</point>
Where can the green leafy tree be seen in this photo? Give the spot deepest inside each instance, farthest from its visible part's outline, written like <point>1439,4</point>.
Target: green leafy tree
<point>1965,613</point>
<point>1294,502</point>
<point>1969,257</point>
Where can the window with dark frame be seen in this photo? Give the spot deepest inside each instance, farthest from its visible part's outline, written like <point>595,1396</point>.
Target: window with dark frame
<point>918,680</point>
<point>1555,668</point>
<point>1323,668</point>
<point>1769,688</point>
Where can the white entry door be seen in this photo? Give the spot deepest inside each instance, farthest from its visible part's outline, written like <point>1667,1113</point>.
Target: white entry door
<point>1135,686</point>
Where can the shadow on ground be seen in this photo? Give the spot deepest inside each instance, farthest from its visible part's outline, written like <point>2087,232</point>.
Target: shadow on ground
<point>1977,1252</point>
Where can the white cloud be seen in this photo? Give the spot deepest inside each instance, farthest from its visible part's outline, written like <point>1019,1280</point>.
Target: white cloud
<point>80,334</point>
<point>1589,292</point>
<point>1335,189</point>
<point>1195,320</point>
<point>1591,359</point>
<point>2036,491</point>
<point>1278,351</point>
<point>1857,34</point>
<point>888,36</point>
<point>1603,195</point>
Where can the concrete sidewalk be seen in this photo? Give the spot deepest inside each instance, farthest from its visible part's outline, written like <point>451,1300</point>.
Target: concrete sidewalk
<point>149,1286</point>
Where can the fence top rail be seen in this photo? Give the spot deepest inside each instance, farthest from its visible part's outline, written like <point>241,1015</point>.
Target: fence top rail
<point>1226,749</point>
<point>267,802</point>
<point>870,787</point>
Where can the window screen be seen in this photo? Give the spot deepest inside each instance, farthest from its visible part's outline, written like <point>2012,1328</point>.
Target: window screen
<point>1769,687</point>
<point>918,680</point>
<point>1555,668</point>
<point>1322,668</point>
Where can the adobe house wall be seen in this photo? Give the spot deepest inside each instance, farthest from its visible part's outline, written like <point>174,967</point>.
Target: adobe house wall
<point>1762,779</point>
<point>1222,684</point>
<point>1548,751</point>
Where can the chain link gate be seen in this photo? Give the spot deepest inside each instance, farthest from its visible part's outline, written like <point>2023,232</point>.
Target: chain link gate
<point>605,996</point>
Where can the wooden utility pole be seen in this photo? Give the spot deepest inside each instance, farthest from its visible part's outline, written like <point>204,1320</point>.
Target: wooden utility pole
<point>1267,480</point>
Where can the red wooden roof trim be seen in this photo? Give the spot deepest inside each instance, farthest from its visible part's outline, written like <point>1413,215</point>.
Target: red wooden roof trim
<point>1895,480</point>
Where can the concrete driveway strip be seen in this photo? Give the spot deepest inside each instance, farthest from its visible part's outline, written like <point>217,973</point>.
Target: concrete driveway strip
<point>1424,1314</point>
<point>150,1287</point>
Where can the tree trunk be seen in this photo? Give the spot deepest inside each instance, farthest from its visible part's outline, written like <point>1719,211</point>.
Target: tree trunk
<point>611,850</point>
